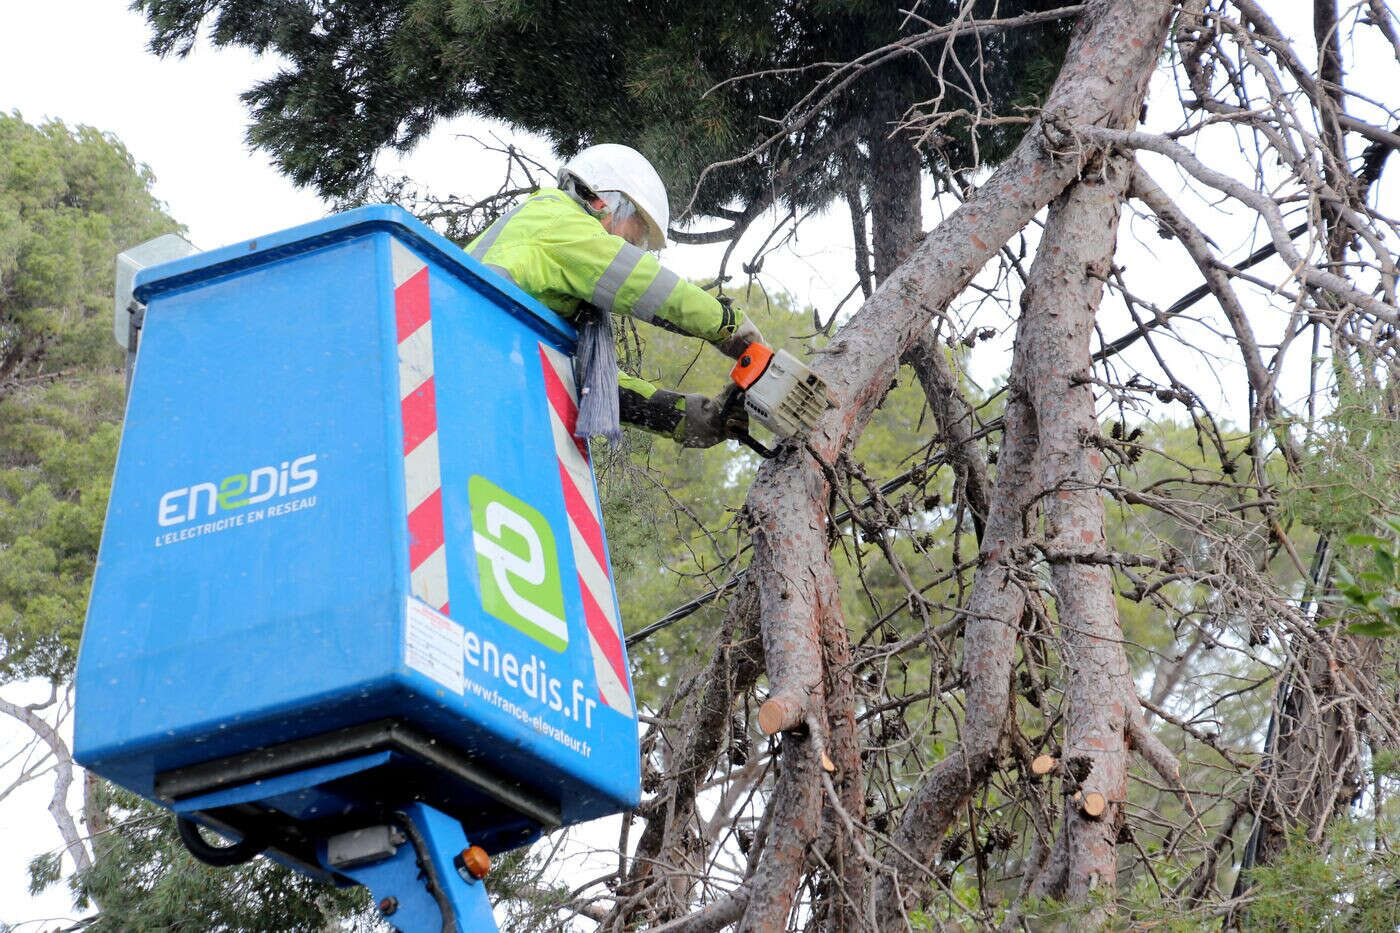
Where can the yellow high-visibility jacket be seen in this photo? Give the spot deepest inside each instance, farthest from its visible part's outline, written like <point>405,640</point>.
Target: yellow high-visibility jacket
<point>556,251</point>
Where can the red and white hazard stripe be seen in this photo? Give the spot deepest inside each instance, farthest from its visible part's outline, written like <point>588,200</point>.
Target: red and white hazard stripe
<point>422,474</point>
<point>586,533</point>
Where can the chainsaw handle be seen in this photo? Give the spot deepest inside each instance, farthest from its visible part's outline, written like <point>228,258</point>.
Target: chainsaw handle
<point>752,443</point>
<point>733,397</point>
<point>734,400</point>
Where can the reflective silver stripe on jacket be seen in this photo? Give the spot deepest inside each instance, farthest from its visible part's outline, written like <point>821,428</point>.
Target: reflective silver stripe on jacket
<point>605,292</point>
<point>488,239</point>
<point>502,271</point>
<point>655,296</point>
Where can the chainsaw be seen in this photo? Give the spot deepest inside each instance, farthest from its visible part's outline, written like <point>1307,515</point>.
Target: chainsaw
<point>778,391</point>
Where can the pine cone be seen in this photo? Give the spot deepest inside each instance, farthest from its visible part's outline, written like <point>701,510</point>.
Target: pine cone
<point>1079,767</point>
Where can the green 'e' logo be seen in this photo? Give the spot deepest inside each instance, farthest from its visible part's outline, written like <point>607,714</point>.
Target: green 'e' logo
<point>518,564</point>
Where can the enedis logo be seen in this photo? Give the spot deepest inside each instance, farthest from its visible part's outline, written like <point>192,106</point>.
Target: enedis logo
<point>236,491</point>
<point>518,564</point>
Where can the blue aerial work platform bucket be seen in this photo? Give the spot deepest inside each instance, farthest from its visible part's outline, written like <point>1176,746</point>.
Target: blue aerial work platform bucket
<point>353,570</point>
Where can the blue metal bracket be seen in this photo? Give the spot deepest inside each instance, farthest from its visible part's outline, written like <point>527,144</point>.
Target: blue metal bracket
<point>418,886</point>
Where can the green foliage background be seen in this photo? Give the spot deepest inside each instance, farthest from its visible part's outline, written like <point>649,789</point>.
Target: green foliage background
<point>70,200</point>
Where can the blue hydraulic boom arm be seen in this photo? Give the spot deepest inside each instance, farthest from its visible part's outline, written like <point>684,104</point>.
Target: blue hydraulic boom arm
<point>420,870</point>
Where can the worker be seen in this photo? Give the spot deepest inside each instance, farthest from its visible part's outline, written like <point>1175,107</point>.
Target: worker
<point>581,250</point>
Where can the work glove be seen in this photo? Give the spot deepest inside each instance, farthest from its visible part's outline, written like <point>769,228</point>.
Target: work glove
<point>737,342</point>
<point>708,422</point>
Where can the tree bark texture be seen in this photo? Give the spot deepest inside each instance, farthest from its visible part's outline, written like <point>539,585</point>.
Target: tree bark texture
<point>843,754</point>
<point>794,813</point>
<point>895,192</point>
<point>1057,323</point>
<point>801,583</point>
<point>1315,767</point>
<point>855,204</point>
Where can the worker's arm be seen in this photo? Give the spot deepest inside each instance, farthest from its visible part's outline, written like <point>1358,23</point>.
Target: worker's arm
<point>642,404</point>
<point>690,420</point>
<point>612,274</point>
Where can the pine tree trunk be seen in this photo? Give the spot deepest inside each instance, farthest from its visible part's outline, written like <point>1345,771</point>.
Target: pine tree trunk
<point>1315,767</point>
<point>1057,323</point>
<point>96,822</point>
<point>895,191</point>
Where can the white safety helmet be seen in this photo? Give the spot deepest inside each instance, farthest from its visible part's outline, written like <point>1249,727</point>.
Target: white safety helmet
<point>610,167</point>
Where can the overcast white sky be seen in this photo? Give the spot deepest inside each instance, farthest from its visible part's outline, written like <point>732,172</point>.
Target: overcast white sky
<point>84,61</point>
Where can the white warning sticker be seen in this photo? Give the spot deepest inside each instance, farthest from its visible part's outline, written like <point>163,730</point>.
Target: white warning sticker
<point>432,644</point>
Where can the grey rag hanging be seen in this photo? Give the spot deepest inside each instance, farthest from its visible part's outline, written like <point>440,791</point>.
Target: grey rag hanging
<point>595,367</point>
